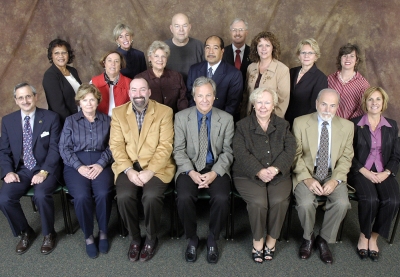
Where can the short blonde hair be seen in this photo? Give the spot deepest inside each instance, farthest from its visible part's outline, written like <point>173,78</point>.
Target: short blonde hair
<point>158,45</point>
<point>313,44</point>
<point>120,28</point>
<point>255,94</point>
<point>367,94</point>
<point>84,90</point>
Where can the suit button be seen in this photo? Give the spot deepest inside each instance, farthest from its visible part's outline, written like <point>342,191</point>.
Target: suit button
<point>266,141</point>
<point>268,152</point>
<point>267,163</point>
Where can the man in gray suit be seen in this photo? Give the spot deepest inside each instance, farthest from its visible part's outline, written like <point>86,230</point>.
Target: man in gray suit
<point>203,155</point>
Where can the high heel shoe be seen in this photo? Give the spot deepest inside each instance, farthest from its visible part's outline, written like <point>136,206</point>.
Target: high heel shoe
<point>374,255</point>
<point>269,253</point>
<point>362,253</point>
<point>257,256</point>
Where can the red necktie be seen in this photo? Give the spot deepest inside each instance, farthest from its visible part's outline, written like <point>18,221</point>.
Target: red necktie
<point>238,62</point>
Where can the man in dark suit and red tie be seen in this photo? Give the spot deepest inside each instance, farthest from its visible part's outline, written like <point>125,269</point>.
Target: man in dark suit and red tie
<point>29,157</point>
<point>237,53</point>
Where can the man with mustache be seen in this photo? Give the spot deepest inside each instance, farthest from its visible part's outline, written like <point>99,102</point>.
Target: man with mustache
<point>141,139</point>
<point>228,79</point>
<point>323,159</point>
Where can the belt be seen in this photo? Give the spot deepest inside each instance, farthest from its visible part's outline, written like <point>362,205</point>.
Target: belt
<point>90,150</point>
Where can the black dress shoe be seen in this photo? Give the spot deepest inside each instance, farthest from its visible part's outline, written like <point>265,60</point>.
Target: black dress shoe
<point>25,241</point>
<point>306,248</point>
<point>324,252</point>
<point>362,253</point>
<point>148,251</point>
<point>191,254</point>
<point>374,255</point>
<point>49,244</point>
<point>134,252</point>
<point>212,254</point>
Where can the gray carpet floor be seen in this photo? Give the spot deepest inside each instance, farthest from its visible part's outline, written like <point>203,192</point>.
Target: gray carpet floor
<point>70,259</point>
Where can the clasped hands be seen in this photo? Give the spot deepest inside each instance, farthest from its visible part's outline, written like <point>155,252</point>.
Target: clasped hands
<point>139,178</point>
<point>90,171</point>
<point>12,177</point>
<point>267,174</point>
<point>374,177</point>
<point>315,187</point>
<point>203,180</point>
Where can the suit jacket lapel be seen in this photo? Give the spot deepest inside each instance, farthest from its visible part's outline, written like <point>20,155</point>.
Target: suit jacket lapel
<point>215,130</point>
<point>16,136</point>
<point>148,120</point>
<point>336,140</point>
<point>366,134</point>
<point>219,74</point>
<point>193,131</point>
<point>38,126</point>
<point>312,136</point>
<point>134,128</point>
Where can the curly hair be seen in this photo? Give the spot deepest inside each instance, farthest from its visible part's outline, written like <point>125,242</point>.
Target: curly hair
<point>276,47</point>
<point>58,43</point>
<point>345,50</point>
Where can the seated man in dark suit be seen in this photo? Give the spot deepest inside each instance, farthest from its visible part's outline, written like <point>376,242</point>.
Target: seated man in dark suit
<point>29,157</point>
<point>203,155</point>
<point>228,79</point>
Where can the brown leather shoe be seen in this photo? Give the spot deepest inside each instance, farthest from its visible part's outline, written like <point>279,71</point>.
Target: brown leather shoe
<point>306,248</point>
<point>134,251</point>
<point>324,252</point>
<point>49,243</point>
<point>25,241</point>
<point>148,252</point>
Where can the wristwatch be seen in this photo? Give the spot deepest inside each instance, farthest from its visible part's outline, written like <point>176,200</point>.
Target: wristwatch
<point>44,172</point>
<point>388,172</point>
<point>276,169</point>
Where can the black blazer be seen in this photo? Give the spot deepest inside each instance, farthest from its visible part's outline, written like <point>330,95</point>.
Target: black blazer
<point>229,85</point>
<point>229,58</point>
<point>305,92</point>
<point>45,138</point>
<point>59,93</point>
<point>362,147</point>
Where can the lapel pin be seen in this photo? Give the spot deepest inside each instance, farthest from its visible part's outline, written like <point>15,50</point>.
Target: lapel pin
<point>40,121</point>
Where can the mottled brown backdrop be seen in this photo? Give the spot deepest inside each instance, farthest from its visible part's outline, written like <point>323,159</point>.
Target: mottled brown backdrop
<point>28,26</point>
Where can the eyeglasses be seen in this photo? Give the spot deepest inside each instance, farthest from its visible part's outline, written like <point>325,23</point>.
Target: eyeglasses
<point>240,30</point>
<point>60,53</point>
<point>26,97</point>
<point>307,53</point>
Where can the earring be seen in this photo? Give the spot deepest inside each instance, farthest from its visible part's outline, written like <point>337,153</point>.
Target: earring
<point>118,45</point>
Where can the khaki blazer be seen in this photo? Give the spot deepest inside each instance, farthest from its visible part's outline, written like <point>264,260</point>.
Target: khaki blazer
<point>276,77</point>
<point>186,145</point>
<point>152,148</point>
<point>305,130</point>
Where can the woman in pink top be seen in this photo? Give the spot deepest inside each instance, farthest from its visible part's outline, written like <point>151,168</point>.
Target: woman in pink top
<point>348,82</point>
<point>374,167</point>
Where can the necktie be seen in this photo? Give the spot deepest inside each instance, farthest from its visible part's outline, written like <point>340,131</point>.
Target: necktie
<point>210,73</point>
<point>323,153</point>
<point>238,62</point>
<point>203,145</point>
<point>29,160</point>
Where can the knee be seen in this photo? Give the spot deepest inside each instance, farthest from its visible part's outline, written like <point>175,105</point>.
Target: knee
<point>220,199</point>
<point>257,203</point>
<point>342,204</point>
<point>369,201</point>
<point>305,205</point>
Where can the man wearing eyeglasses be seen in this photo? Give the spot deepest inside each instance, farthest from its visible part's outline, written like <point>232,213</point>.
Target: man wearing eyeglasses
<point>185,50</point>
<point>237,53</point>
<point>29,157</point>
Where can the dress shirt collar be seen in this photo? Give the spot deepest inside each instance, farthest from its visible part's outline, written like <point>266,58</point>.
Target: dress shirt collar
<point>142,112</point>
<point>214,67</point>
<point>364,121</point>
<point>200,115</point>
